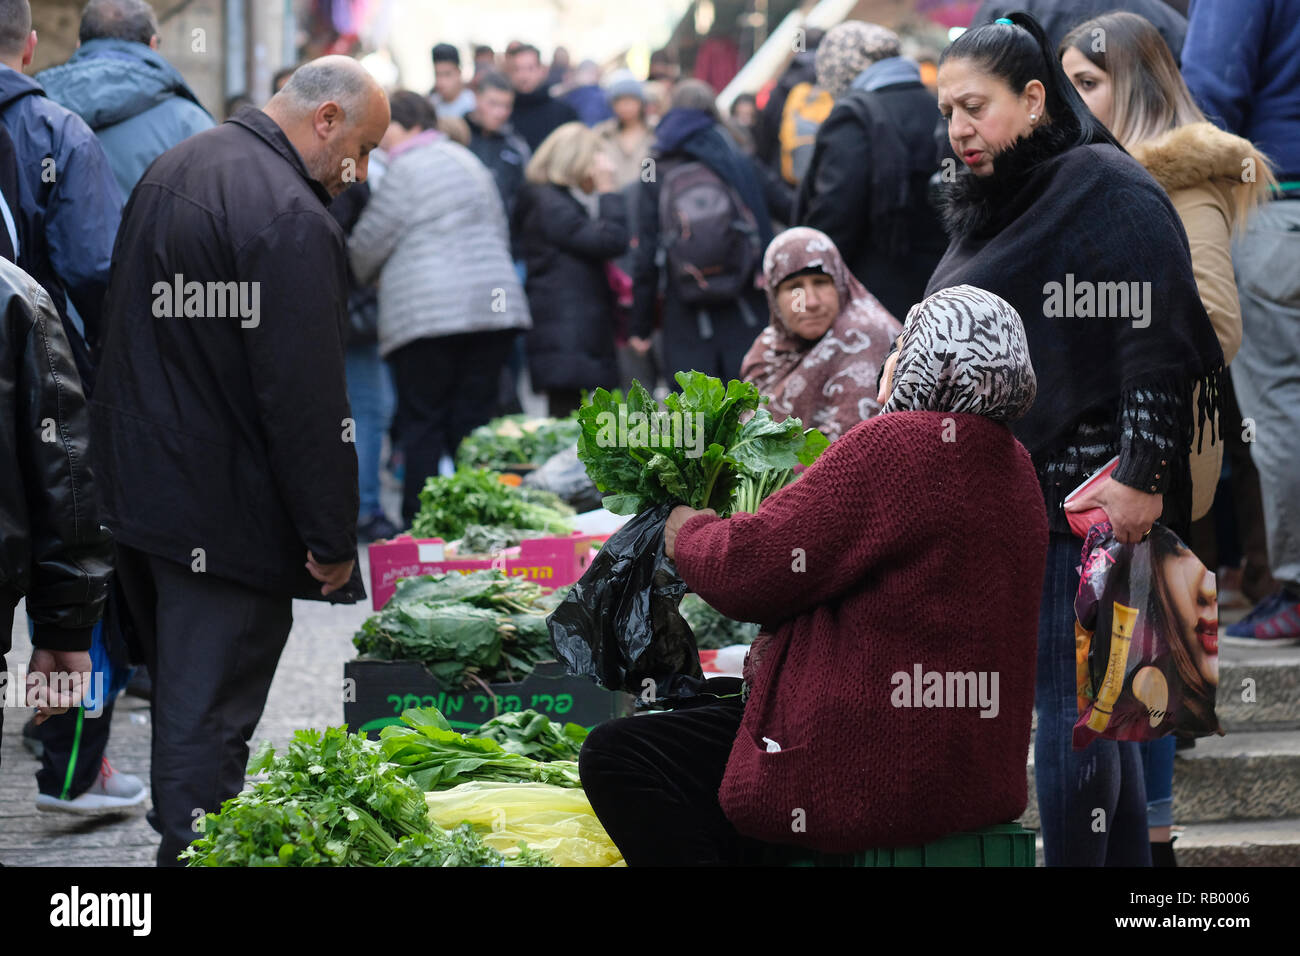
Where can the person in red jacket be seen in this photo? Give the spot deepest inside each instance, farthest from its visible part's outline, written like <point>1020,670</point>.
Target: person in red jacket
<point>897,583</point>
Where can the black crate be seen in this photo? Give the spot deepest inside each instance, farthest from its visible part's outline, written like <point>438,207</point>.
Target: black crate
<point>376,693</point>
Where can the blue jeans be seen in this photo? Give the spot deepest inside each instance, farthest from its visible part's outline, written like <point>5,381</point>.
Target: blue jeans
<point>1092,802</point>
<point>370,392</point>
<point>1158,762</point>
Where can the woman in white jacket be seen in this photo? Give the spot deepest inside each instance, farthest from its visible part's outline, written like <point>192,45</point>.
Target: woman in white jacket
<point>450,305</point>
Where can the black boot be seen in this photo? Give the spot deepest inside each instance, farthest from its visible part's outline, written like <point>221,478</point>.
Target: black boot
<point>1162,854</point>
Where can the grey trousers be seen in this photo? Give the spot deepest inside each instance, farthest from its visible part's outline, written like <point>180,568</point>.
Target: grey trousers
<point>1266,372</point>
<point>212,647</point>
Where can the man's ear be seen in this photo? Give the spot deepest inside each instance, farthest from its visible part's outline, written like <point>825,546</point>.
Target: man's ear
<point>29,49</point>
<point>154,41</point>
<point>327,116</point>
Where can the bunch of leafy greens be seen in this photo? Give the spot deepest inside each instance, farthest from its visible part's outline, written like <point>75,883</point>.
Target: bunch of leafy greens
<point>695,450</point>
<point>332,799</point>
<point>472,496</point>
<point>490,538</point>
<point>712,628</point>
<point>531,734</point>
<point>514,440</point>
<point>437,758</point>
<point>484,623</point>
<point>459,847</point>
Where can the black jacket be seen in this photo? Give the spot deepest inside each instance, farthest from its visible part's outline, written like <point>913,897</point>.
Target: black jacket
<point>571,344</point>
<point>836,193</point>
<point>505,154</point>
<point>538,114</point>
<point>224,439</point>
<point>53,549</point>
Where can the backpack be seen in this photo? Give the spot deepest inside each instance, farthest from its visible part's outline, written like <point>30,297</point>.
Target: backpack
<point>708,238</point>
<point>806,108</point>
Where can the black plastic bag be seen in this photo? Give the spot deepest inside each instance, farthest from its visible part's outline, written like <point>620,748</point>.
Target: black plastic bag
<point>619,625</point>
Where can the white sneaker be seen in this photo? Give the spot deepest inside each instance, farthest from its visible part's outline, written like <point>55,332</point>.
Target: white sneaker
<point>112,792</point>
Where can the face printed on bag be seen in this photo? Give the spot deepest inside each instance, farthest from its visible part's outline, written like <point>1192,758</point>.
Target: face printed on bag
<point>1194,601</point>
<point>809,304</point>
<point>984,116</point>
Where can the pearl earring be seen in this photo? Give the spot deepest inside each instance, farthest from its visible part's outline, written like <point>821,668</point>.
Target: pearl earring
<point>1033,117</point>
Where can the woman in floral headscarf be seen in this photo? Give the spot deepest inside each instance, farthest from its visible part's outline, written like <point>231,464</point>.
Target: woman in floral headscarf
<point>820,356</point>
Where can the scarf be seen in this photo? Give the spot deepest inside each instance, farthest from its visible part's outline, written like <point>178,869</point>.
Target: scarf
<point>849,48</point>
<point>887,72</point>
<point>964,350</point>
<point>1086,246</point>
<point>829,384</point>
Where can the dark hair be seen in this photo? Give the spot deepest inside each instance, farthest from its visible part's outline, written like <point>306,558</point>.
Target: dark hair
<point>446,53</point>
<point>1018,52</point>
<point>281,74</point>
<point>15,25</point>
<point>528,48</point>
<point>743,98</point>
<point>236,102</point>
<point>412,111</point>
<point>131,20</point>
<point>492,80</point>
<point>483,48</point>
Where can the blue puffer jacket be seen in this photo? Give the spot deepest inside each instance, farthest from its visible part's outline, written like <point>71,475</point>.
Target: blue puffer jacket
<point>1242,63</point>
<point>136,102</point>
<point>69,207</point>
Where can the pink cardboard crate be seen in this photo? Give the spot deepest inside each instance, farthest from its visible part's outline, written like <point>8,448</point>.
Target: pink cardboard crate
<point>551,562</point>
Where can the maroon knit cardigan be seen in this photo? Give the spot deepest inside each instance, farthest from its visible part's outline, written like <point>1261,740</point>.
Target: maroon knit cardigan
<point>919,538</point>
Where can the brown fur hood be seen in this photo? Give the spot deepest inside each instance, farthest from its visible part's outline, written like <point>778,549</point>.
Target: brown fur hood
<point>1200,153</point>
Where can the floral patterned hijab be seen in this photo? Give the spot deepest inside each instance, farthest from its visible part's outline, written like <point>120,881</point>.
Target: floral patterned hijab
<point>830,384</point>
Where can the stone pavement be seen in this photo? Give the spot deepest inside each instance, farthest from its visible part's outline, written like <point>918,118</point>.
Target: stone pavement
<point>307,692</point>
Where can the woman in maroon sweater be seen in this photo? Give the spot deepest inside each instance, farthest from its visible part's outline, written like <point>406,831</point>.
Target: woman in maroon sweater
<point>897,583</point>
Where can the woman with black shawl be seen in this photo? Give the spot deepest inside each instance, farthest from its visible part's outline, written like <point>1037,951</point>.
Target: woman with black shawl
<point>1052,215</point>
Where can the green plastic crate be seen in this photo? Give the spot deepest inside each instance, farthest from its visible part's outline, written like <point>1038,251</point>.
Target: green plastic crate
<point>1006,844</point>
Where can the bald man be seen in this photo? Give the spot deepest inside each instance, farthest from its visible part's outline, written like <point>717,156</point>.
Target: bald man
<point>221,420</point>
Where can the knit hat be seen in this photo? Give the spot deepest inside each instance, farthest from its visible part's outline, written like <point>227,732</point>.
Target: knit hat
<point>964,350</point>
<point>623,83</point>
<point>849,48</point>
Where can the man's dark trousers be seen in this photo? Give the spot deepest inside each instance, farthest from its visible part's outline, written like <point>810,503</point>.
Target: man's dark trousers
<point>212,646</point>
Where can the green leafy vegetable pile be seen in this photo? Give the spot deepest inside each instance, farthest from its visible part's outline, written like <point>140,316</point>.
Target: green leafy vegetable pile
<point>459,847</point>
<point>516,440</point>
<point>737,465</point>
<point>436,757</point>
<point>332,799</point>
<point>712,628</point>
<point>472,496</point>
<point>531,734</point>
<point>484,623</point>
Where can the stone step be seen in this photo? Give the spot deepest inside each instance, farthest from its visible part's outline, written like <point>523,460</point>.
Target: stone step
<point>1259,688</point>
<point>1238,843</point>
<point>1242,776</point>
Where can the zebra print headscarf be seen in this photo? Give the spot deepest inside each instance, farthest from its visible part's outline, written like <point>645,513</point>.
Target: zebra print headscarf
<point>963,350</point>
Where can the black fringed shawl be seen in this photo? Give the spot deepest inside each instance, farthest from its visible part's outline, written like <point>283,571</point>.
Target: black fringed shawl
<point>1078,217</point>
